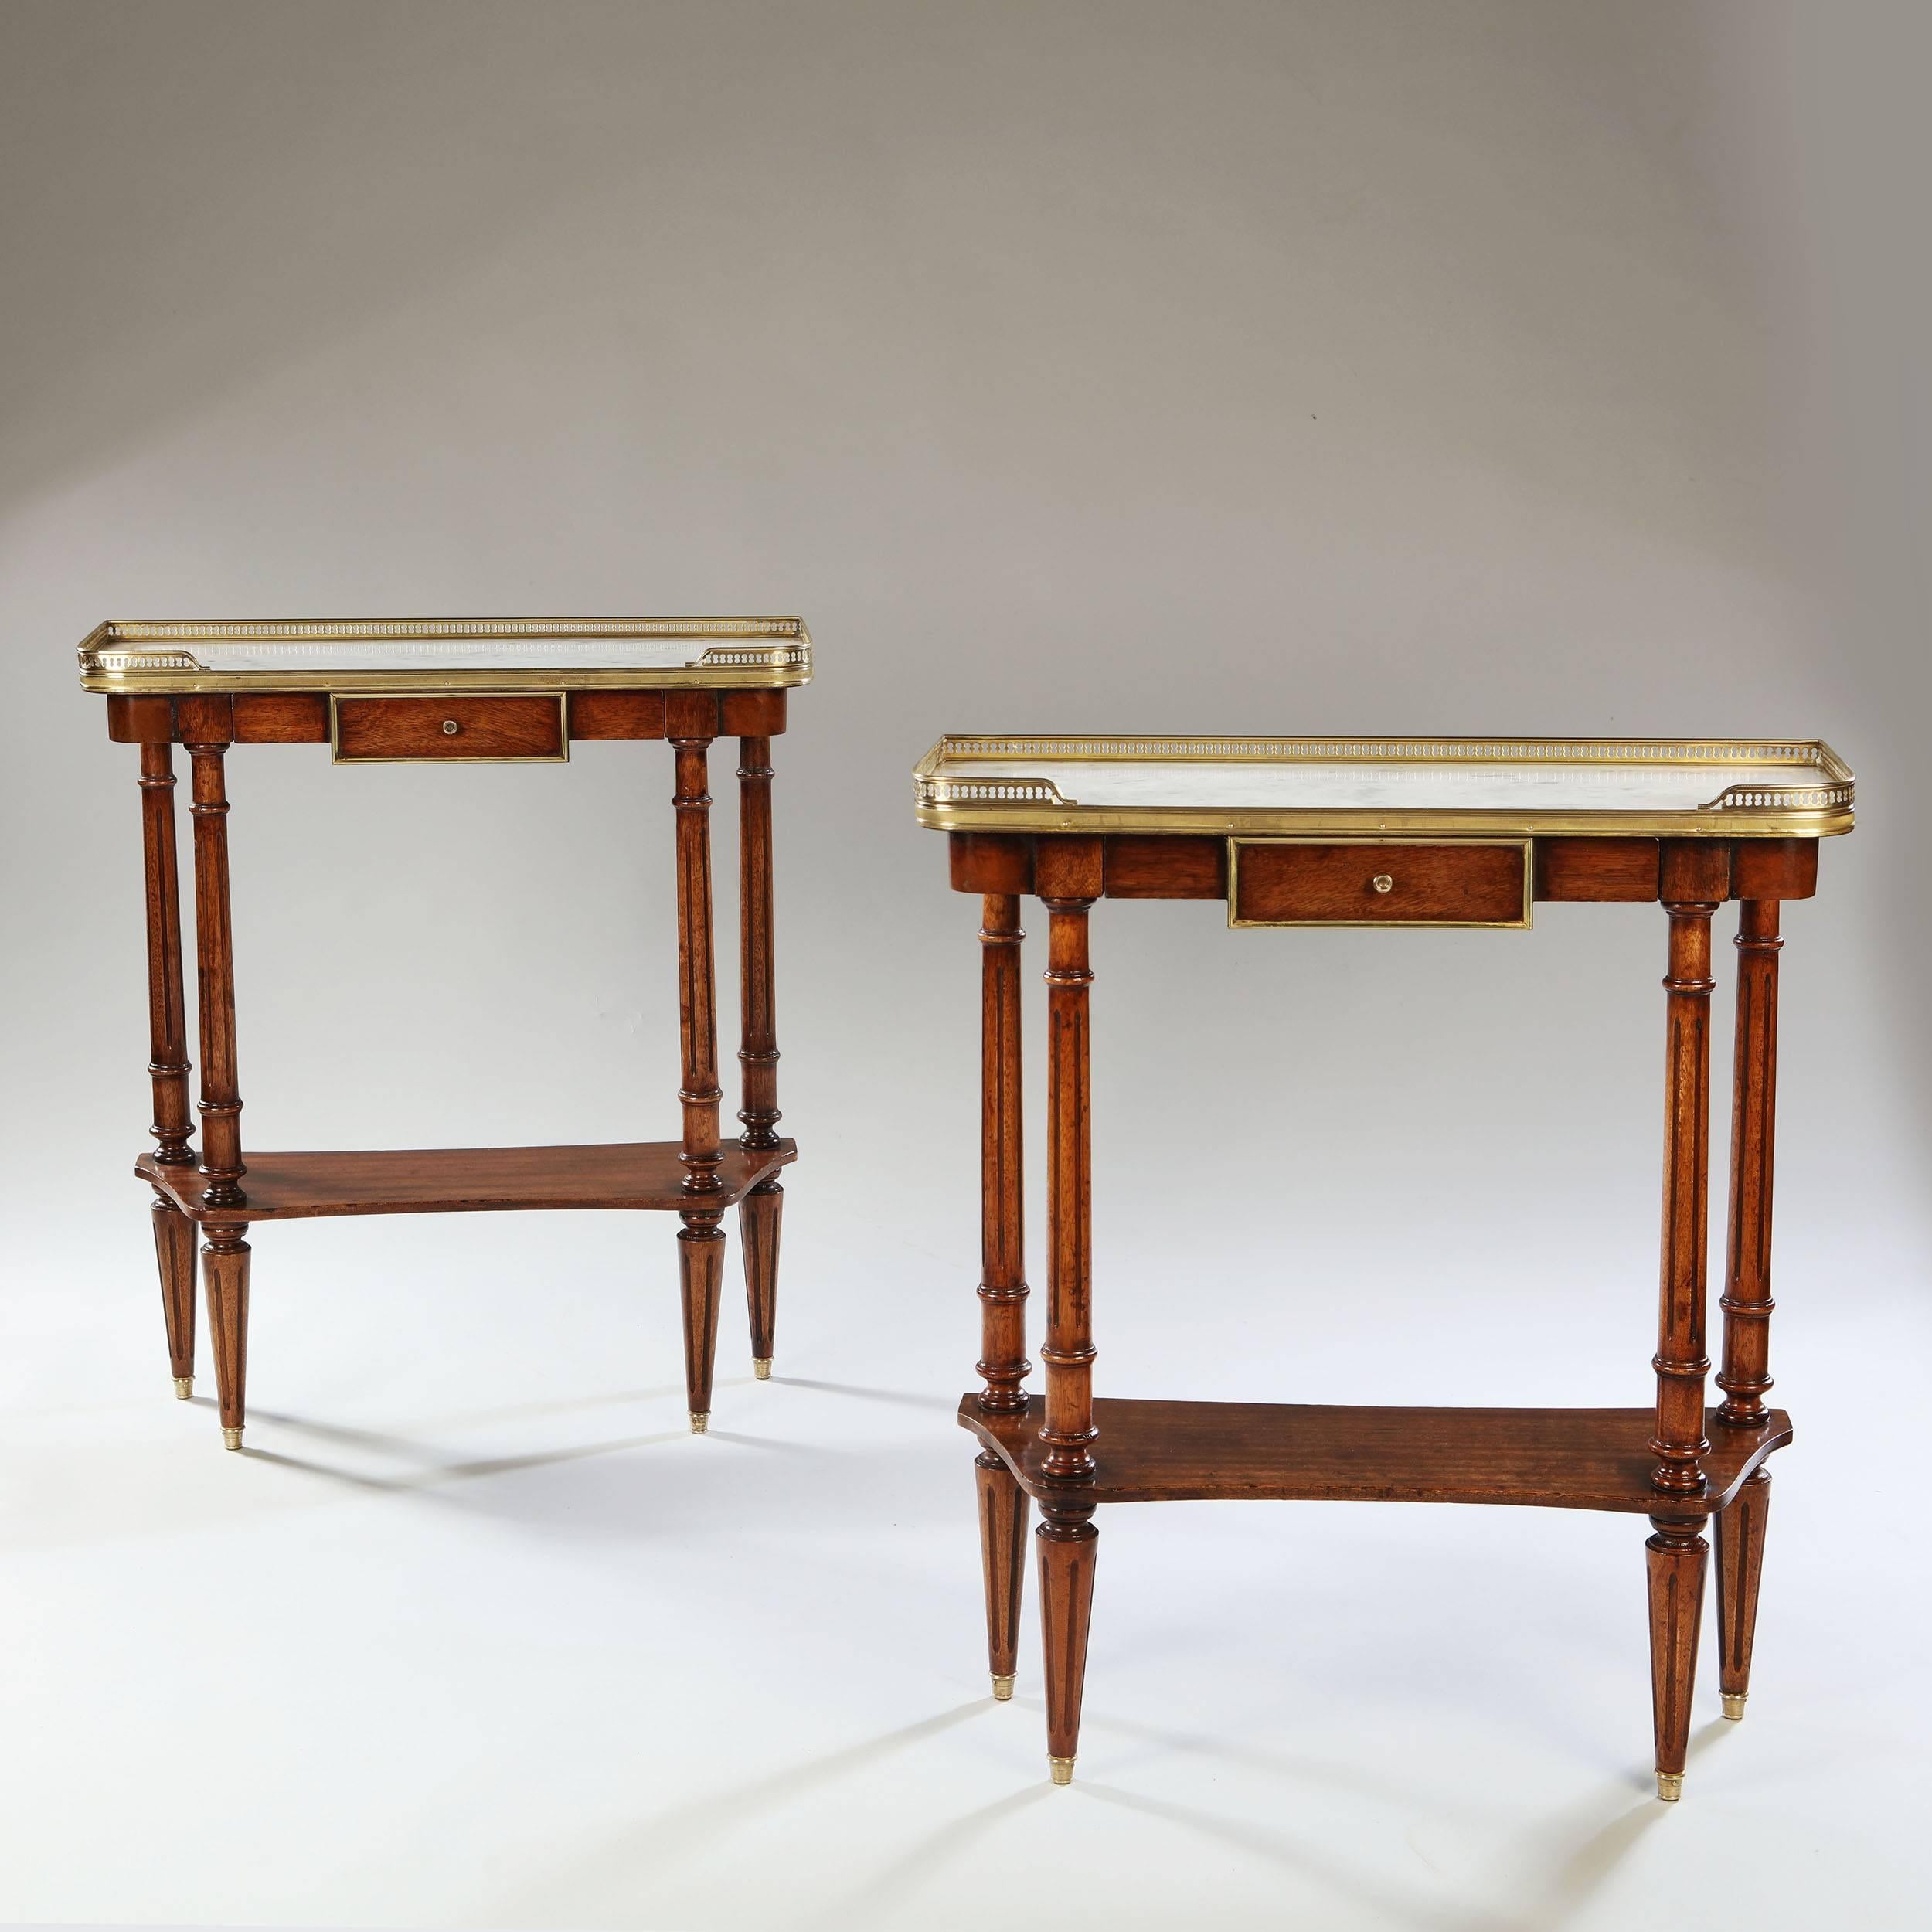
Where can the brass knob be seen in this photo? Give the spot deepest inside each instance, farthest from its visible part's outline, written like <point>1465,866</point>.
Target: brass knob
<point>1380,881</point>
<point>449,727</point>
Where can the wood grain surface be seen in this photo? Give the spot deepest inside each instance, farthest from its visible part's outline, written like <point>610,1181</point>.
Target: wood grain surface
<point>1197,1451</point>
<point>456,1180</point>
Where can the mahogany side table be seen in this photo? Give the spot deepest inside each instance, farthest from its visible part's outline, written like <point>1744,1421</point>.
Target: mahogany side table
<point>1450,832</point>
<point>449,691</point>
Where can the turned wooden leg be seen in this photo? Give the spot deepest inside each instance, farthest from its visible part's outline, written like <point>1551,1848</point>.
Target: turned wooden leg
<point>1740,1562</point>
<point>1002,1550</point>
<point>691,717</point>
<point>1067,1430</point>
<point>1067,874</point>
<point>220,1104</point>
<point>1068,1546</point>
<point>224,1273</point>
<point>1746,1378</point>
<point>1002,1365</point>
<point>1677,1556</point>
<point>174,1255</point>
<point>168,1067</point>
<point>224,1255</point>
<point>760,1215</point>
<point>701,1247</point>
<point>1695,877</point>
<point>1680,1363</point>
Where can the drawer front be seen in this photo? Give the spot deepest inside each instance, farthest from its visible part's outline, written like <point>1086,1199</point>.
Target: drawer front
<point>463,725</point>
<point>1348,882</point>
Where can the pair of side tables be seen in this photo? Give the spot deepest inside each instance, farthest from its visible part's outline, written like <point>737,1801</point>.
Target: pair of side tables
<point>1402,832</point>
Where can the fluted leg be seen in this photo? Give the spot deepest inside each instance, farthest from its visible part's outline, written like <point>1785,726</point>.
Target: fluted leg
<point>1695,880</point>
<point>1677,1556</point>
<point>220,1105</point>
<point>224,1270</point>
<point>1002,1549</point>
<point>1068,1431</point>
<point>1068,1547</point>
<point>701,1246</point>
<point>168,1067</point>
<point>1740,1562</point>
<point>1746,1377</point>
<point>174,1255</point>
<point>1067,875</point>
<point>1002,1365</point>
<point>760,1215</point>
<point>701,1241</point>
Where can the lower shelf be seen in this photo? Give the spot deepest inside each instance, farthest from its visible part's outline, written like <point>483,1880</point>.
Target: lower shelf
<point>454,1180</point>
<point>1199,1452</point>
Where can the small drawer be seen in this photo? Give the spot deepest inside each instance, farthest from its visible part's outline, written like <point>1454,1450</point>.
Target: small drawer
<point>463,724</point>
<point>1347,882</point>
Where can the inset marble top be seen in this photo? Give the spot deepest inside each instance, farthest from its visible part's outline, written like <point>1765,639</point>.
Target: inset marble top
<point>1733,787</point>
<point>444,654</point>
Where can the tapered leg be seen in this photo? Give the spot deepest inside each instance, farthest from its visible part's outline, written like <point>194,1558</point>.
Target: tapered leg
<point>1695,878</point>
<point>224,1272</point>
<point>1677,1556</point>
<point>1067,875</point>
<point>174,1255</point>
<point>168,1067</point>
<point>759,1214</point>
<point>701,1246</point>
<point>1740,1562</point>
<point>691,717</point>
<point>1002,1277</point>
<point>1746,1377</point>
<point>1067,1549</point>
<point>1002,1549</point>
<point>224,1257</point>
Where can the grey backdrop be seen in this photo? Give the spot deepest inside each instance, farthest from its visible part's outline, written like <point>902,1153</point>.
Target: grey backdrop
<point>1401,366</point>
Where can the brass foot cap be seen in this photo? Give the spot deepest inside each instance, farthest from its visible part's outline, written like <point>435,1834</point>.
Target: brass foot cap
<point>1670,1786</point>
<point>1734,1704</point>
<point>1003,1687</point>
<point>184,1387</point>
<point>761,1367</point>
<point>231,1438</point>
<point>1061,1770</point>
<point>700,1421</point>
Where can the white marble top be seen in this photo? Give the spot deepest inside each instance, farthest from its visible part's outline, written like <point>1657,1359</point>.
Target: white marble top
<point>1317,786</point>
<point>1793,787</point>
<point>322,654</point>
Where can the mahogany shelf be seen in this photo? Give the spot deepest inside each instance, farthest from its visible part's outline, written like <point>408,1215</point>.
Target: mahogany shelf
<point>1201,1451</point>
<point>460,1180</point>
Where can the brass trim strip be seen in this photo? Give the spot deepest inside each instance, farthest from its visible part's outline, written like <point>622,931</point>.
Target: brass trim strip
<point>337,757</point>
<point>1522,925</point>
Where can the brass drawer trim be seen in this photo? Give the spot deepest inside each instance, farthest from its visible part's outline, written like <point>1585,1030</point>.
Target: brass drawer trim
<point>337,756</point>
<point>1525,846</point>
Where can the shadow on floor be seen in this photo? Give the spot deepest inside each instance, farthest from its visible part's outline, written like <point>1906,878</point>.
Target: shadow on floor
<point>587,1888</point>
